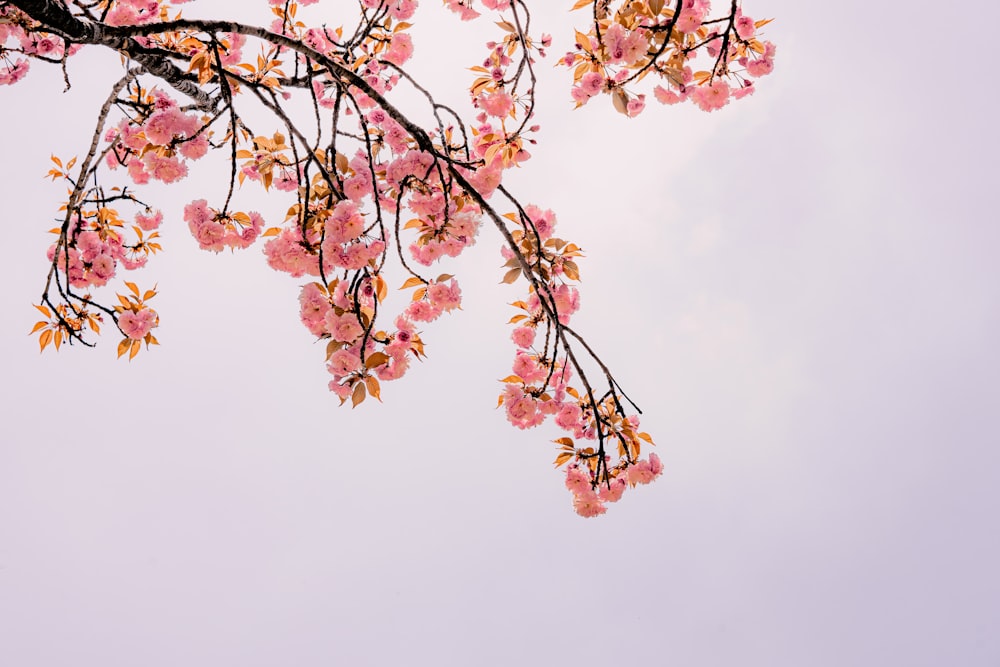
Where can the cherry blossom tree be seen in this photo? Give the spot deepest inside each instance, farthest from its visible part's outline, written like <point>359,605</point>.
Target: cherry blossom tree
<point>375,199</point>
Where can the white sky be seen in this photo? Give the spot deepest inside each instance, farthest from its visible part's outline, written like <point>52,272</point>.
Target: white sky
<point>800,291</point>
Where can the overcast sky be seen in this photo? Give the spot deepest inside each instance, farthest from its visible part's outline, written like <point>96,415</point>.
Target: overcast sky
<point>800,291</point>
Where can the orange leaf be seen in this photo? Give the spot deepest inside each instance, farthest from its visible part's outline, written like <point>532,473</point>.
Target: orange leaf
<point>620,100</point>
<point>373,388</point>
<point>563,458</point>
<point>511,276</point>
<point>412,282</point>
<point>358,395</point>
<point>376,359</point>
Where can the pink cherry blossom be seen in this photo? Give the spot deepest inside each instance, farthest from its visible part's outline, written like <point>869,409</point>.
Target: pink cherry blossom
<point>544,222</point>
<point>760,67</point>
<point>526,367</point>
<point>166,169</point>
<point>313,308</point>
<point>137,325</point>
<point>746,89</point>
<point>11,74</point>
<point>446,297</point>
<point>343,362</point>
<point>523,336</point>
<point>612,492</point>
<point>102,269</point>
<point>577,479</point>
<point>744,25</point>
<point>635,106</point>
<point>344,327</point>
<point>712,96</point>
<point>588,504</point>
<point>463,8</point>
<point>149,221</point>
<point>400,49</point>
<point>567,301</point>
<point>644,472</point>
<point>499,104</point>
<point>422,311</point>
<point>591,83</point>
<point>624,46</point>
<point>569,417</point>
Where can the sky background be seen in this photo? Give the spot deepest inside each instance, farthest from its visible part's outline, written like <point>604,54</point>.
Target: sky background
<point>800,291</point>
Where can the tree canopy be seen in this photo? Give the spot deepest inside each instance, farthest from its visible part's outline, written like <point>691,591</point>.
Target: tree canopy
<point>375,198</point>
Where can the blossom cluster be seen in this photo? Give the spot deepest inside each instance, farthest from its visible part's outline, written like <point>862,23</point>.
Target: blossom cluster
<point>89,253</point>
<point>90,248</point>
<point>504,86</point>
<point>629,41</point>
<point>138,12</point>
<point>540,385</point>
<point>97,246</point>
<point>466,8</point>
<point>339,234</point>
<point>215,230</point>
<point>21,40</point>
<point>590,500</point>
<point>157,142</point>
<point>370,190</point>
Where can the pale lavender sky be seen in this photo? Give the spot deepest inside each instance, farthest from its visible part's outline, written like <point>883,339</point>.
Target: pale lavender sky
<point>801,292</point>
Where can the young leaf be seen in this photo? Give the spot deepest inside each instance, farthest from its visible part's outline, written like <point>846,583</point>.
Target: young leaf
<point>511,276</point>
<point>358,395</point>
<point>373,387</point>
<point>412,282</point>
<point>376,359</point>
<point>44,339</point>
